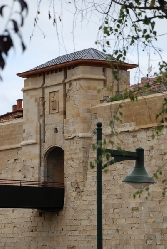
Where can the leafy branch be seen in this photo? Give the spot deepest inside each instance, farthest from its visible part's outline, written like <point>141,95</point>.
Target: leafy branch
<point>11,27</point>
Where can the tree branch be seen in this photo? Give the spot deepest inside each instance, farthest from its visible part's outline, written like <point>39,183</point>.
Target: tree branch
<point>150,18</point>
<point>131,6</point>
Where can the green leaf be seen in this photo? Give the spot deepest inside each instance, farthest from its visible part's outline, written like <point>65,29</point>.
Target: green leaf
<point>144,31</point>
<point>92,165</point>
<point>153,136</point>
<point>146,20</point>
<point>147,36</point>
<point>152,25</point>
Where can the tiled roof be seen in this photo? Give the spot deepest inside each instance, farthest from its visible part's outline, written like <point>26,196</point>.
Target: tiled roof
<point>11,115</point>
<point>154,86</point>
<point>90,53</point>
<point>144,81</point>
<point>17,112</point>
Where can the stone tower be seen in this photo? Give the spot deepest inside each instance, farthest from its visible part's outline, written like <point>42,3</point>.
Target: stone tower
<point>58,97</point>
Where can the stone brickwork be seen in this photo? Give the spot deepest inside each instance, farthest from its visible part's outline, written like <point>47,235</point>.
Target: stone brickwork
<point>10,149</point>
<point>61,110</point>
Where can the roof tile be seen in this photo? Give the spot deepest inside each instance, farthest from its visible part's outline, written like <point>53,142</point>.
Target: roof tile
<point>89,53</point>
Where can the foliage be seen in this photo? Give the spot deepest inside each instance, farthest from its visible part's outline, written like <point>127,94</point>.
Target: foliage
<point>158,176</point>
<point>133,25</point>
<point>12,27</point>
<point>129,23</point>
<point>162,117</point>
<point>128,94</point>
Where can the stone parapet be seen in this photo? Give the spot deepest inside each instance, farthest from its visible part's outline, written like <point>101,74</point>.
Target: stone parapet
<point>137,114</point>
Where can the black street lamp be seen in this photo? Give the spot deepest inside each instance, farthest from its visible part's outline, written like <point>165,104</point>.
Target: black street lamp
<point>138,178</point>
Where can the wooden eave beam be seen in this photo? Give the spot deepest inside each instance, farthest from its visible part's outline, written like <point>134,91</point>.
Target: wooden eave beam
<point>81,62</point>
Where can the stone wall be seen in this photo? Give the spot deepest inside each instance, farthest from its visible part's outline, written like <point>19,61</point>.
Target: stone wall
<point>128,223</point>
<point>10,148</point>
<point>134,223</point>
<point>61,111</point>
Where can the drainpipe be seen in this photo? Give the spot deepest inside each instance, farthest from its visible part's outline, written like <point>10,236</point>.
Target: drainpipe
<point>43,110</point>
<point>64,97</point>
<point>42,129</point>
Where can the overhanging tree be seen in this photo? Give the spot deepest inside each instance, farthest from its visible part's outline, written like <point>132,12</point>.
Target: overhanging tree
<point>125,24</point>
<point>12,27</point>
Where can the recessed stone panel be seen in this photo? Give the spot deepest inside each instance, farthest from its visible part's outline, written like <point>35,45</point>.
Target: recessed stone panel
<point>54,102</point>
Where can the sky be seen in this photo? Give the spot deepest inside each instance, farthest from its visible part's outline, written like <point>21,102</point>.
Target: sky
<point>73,32</point>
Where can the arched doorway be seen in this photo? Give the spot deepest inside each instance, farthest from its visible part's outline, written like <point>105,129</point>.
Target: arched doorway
<point>54,165</point>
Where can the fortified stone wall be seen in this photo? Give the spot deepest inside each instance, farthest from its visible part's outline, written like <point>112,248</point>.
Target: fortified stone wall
<point>134,223</point>
<point>128,223</point>
<point>50,122</point>
<point>10,149</point>
<point>136,114</point>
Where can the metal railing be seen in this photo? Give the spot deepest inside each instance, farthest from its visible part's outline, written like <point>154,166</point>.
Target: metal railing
<point>31,183</point>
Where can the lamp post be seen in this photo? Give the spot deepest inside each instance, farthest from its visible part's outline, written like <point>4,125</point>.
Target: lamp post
<point>138,178</point>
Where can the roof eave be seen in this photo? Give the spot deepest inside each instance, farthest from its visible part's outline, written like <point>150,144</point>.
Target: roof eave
<point>89,62</point>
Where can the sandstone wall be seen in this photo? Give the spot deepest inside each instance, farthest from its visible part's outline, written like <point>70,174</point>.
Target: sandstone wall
<point>10,148</point>
<point>128,223</point>
<point>134,223</point>
<point>136,114</point>
<point>60,110</point>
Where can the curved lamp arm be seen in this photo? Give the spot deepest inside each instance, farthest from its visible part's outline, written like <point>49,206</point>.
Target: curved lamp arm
<point>120,156</point>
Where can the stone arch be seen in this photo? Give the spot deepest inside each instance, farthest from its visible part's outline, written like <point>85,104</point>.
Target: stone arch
<point>54,165</point>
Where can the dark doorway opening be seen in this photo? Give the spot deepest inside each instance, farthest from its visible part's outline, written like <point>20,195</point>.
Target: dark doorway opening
<point>54,167</point>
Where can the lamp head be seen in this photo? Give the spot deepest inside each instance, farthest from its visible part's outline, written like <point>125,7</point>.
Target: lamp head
<point>139,177</point>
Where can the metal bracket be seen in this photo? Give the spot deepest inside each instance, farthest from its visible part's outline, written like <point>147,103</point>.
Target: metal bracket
<point>120,156</point>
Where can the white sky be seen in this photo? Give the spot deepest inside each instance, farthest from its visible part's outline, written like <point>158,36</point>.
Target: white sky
<point>41,49</point>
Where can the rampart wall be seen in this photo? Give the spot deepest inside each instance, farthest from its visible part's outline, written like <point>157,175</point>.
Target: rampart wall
<point>128,223</point>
